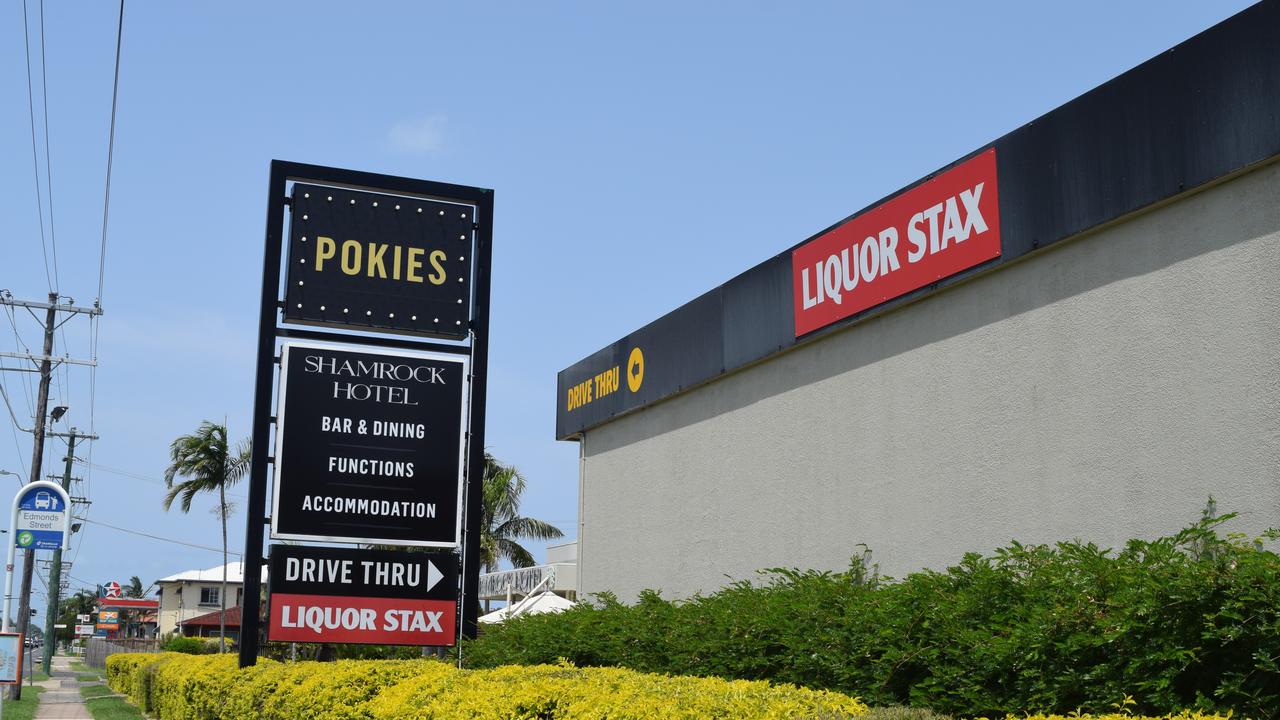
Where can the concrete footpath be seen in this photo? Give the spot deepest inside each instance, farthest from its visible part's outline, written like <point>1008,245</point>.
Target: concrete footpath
<point>61,698</point>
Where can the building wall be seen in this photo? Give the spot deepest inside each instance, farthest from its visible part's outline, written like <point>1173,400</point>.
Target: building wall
<point>1101,389</point>
<point>181,601</point>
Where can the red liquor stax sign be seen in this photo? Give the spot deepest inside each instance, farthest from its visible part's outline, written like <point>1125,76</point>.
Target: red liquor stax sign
<point>936,229</point>
<point>349,595</point>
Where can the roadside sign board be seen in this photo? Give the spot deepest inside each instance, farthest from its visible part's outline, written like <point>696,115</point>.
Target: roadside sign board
<point>351,595</point>
<point>369,446</point>
<point>84,630</point>
<point>10,658</point>
<point>373,261</point>
<point>83,618</point>
<point>42,517</point>
<point>132,603</point>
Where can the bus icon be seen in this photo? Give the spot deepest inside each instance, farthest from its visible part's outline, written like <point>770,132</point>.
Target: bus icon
<point>45,501</point>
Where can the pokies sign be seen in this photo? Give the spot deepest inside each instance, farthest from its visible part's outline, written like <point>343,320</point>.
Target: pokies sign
<point>938,228</point>
<point>375,261</point>
<point>349,595</point>
<point>369,445</point>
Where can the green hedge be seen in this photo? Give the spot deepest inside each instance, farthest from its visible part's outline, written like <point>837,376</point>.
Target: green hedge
<point>1188,621</point>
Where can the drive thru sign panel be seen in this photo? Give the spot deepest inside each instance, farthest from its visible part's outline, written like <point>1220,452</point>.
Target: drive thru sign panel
<point>348,595</point>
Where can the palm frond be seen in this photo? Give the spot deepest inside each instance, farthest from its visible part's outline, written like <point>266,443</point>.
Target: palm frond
<point>522,527</point>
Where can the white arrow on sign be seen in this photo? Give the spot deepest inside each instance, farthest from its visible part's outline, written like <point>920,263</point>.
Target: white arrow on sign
<point>433,575</point>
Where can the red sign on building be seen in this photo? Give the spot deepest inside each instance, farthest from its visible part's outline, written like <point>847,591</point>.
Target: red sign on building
<point>938,228</point>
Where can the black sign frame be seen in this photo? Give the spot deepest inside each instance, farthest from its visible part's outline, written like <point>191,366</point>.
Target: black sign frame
<point>371,535</point>
<point>271,330</point>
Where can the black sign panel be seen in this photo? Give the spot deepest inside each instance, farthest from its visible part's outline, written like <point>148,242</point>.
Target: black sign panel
<point>369,446</point>
<point>309,570</point>
<point>372,261</point>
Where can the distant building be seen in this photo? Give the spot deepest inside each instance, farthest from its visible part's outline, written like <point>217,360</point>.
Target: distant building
<point>559,575</point>
<point>188,595</point>
<point>208,625</point>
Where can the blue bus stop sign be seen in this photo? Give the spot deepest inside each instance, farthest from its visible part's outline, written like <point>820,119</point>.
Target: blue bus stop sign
<point>42,518</point>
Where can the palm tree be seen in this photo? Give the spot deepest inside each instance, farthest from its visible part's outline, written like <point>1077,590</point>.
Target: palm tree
<point>501,524</point>
<point>206,463</point>
<point>134,588</point>
<point>82,602</point>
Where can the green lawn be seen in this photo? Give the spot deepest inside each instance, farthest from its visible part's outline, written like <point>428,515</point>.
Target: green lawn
<point>24,709</point>
<point>102,707</point>
<point>89,678</point>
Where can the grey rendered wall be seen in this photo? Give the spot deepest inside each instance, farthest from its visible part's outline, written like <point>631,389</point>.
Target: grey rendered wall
<point>1101,390</point>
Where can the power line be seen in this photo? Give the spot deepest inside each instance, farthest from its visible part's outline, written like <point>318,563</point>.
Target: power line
<point>48,166</point>
<point>138,476</point>
<point>95,324</point>
<point>111,146</point>
<point>163,539</point>
<point>35,162</point>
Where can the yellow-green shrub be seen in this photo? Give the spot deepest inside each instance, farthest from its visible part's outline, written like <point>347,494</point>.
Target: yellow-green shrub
<point>193,687</point>
<point>133,674</point>
<point>174,686</point>
<point>564,691</point>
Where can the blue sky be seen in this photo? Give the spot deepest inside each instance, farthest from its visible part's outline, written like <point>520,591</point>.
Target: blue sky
<point>641,154</point>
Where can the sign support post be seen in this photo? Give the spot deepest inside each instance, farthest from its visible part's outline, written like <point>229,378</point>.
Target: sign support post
<point>270,331</point>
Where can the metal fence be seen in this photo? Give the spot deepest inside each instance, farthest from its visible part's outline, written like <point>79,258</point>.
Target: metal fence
<point>96,650</point>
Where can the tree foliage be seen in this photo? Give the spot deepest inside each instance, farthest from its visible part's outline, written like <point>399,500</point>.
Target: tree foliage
<point>502,526</point>
<point>208,466</point>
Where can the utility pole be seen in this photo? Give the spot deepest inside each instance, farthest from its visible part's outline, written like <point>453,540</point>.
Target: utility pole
<point>55,570</point>
<point>45,366</point>
<point>37,454</point>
